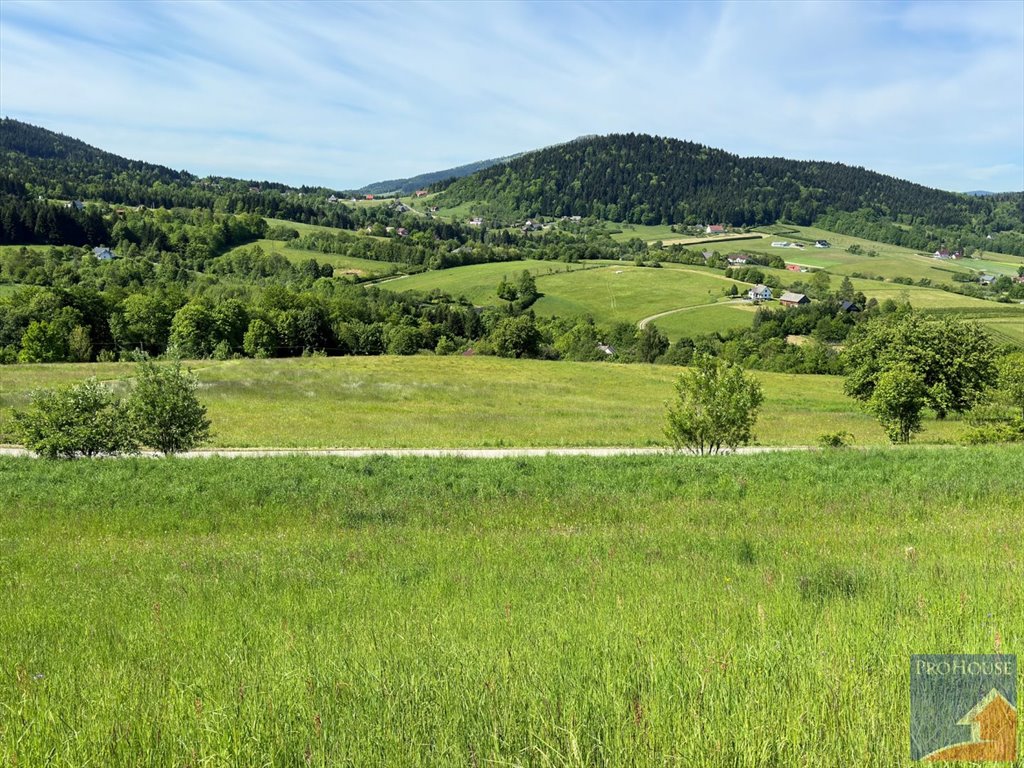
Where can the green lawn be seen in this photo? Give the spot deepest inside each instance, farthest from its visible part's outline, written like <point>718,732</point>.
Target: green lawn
<point>445,402</point>
<point>742,611</point>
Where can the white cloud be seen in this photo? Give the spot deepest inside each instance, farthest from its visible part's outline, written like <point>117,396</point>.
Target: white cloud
<point>346,93</point>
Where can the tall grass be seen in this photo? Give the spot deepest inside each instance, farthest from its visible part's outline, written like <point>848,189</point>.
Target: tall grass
<point>742,611</point>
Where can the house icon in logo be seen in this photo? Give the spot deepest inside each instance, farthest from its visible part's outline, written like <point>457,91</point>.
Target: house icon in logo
<point>993,722</point>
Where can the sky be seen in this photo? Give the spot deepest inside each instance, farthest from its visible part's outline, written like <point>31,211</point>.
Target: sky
<point>342,94</point>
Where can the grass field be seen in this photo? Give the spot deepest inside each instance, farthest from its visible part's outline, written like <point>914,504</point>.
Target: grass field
<point>445,402</point>
<point>622,292</point>
<point>742,611</point>
<point>479,282</point>
<point>342,264</point>
<point>713,318</point>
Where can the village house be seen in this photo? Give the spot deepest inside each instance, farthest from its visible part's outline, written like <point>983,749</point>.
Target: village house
<point>793,267</point>
<point>707,254</point>
<point>369,197</point>
<point>790,299</point>
<point>476,222</point>
<point>822,244</point>
<point>104,254</point>
<point>849,306</point>
<point>332,199</point>
<point>421,193</point>
<point>403,232</point>
<point>737,259</point>
<point>76,204</point>
<point>714,229</point>
<point>760,293</point>
<point>986,279</point>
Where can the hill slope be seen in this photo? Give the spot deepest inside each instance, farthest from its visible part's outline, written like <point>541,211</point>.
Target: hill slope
<point>410,185</point>
<point>644,179</point>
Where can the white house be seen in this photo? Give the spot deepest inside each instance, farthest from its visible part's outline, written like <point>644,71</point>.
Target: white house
<point>760,293</point>
<point>104,254</point>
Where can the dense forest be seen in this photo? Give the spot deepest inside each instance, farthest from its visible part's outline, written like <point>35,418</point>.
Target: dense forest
<point>644,179</point>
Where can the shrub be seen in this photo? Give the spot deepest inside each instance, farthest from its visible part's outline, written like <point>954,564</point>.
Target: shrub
<point>835,439</point>
<point>715,408</point>
<point>164,410</point>
<point>79,420</point>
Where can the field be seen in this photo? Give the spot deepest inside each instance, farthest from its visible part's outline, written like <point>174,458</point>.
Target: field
<point>622,292</point>
<point>743,611</point>
<point>479,282</point>
<point>342,264</point>
<point>459,402</point>
<point>715,318</point>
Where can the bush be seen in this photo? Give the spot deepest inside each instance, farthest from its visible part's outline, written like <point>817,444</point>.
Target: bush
<point>1004,432</point>
<point>835,439</point>
<point>79,420</point>
<point>715,408</point>
<point>163,408</point>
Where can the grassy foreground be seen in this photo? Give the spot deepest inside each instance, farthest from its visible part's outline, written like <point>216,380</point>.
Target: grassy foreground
<point>742,611</point>
<point>459,402</point>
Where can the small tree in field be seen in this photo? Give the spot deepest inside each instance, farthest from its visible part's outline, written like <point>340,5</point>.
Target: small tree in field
<point>164,410</point>
<point>715,407</point>
<point>79,420</point>
<point>900,395</point>
<point>1011,380</point>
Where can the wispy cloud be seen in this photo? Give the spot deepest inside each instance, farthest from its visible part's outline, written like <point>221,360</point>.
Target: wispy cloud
<point>346,93</point>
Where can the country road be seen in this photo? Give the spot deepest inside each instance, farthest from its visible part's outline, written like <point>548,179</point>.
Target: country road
<point>466,453</point>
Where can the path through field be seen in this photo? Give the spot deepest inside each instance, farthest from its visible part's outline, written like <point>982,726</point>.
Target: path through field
<point>465,453</point>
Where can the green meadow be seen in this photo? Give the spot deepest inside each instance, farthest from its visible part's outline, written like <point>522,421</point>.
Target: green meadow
<point>342,264</point>
<point>467,402</point>
<point>741,611</point>
<point>479,282</point>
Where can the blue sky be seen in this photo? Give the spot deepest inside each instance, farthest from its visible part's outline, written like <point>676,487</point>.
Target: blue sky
<point>342,94</point>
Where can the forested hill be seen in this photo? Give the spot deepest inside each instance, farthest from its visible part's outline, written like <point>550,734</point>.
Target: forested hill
<point>652,180</point>
<point>36,162</point>
<point>410,185</point>
<point>39,157</point>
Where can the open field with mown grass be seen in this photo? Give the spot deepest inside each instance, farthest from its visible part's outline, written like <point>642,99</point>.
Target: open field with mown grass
<point>479,282</point>
<point>342,264</point>
<point>741,611</point>
<point>625,293</point>
<point>475,402</point>
<point>712,318</point>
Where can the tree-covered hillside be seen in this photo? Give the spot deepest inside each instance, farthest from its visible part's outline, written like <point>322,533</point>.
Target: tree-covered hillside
<point>653,180</point>
<point>410,185</point>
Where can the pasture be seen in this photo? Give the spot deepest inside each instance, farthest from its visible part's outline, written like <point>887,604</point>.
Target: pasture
<point>742,611</point>
<point>342,264</point>
<point>468,402</point>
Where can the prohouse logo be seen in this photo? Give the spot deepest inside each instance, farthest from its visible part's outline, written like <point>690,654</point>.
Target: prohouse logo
<point>963,707</point>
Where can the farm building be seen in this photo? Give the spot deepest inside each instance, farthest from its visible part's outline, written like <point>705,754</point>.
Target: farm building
<point>790,299</point>
<point>986,279</point>
<point>850,306</point>
<point>760,293</point>
<point>822,244</point>
<point>793,267</point>
<point>714,229</point>
<point>421,193</point>
<point>737,260</point>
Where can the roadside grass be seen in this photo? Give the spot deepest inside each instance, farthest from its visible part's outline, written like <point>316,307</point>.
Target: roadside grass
<point>468,402</point>
<point>742,611</point>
